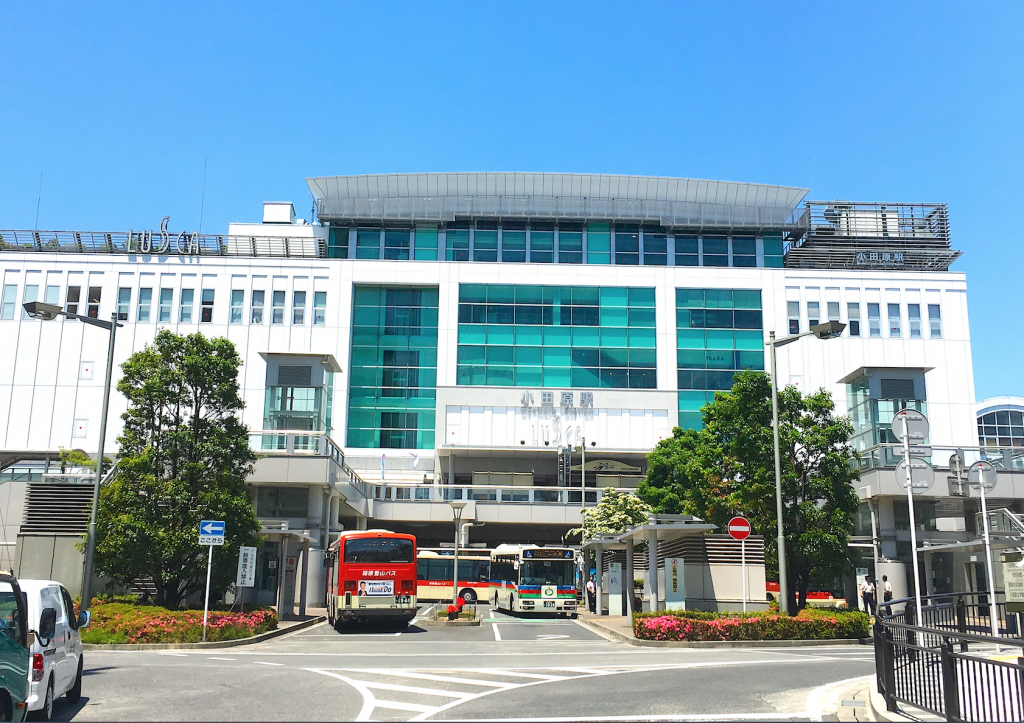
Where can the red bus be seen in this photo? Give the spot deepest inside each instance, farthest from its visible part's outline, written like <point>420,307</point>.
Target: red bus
<point>434,570</point>
<point>371,574</point>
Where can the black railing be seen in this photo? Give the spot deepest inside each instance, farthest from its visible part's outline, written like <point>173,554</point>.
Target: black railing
<point>942,666</point>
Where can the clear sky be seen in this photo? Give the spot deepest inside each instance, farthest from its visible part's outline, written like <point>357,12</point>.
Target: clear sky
<point>119,105</point>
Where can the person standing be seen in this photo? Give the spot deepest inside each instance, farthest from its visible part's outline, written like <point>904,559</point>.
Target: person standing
<point>867,593</point>
<point>886,589</point>
<point>592,595</point>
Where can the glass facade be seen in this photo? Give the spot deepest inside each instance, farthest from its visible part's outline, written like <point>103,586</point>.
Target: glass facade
<point>393,380</point>
<point>550,336</point>
<point>718,333</point>
<point>871,414</point>
<point>1002,428</point>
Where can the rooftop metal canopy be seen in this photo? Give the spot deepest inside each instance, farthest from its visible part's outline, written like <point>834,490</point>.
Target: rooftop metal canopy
<point>443,196</point>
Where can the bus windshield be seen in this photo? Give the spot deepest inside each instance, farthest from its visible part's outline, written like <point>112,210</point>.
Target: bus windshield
<point>381,550</point>
<point>547,572</point>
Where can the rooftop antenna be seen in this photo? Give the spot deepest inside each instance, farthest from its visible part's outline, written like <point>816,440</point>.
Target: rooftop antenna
<point>202,202</point>
<point>39,200</point>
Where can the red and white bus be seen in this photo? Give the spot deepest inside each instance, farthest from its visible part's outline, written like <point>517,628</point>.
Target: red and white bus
<point>435,568</point>
<point>371,574</point>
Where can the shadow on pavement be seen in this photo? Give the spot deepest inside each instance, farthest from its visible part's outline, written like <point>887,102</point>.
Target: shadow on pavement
<point>64,711</point>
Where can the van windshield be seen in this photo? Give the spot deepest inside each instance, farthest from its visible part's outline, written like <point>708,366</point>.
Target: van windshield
<point>386,550</point>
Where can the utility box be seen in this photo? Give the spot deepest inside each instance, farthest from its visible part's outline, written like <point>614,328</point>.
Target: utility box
<point>278,212</point>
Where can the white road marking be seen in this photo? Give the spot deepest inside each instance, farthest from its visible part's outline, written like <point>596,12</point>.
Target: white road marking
<point>497,635</point>
<point>213,658</point>
<point>551,637</point>
<point>263,662</point>
<point>176,655</point>
<point>439,678</point>
<point>394,687</point>
<point>517,674</point>
<point>681,716</point>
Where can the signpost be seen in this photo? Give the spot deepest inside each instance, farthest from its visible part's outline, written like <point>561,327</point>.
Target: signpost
<point>914,475</point>
<point>211,532</point>
<point>739,529</point>
<point>982,477</point>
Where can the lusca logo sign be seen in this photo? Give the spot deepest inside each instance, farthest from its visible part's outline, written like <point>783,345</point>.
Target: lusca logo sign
<point>163,242</point>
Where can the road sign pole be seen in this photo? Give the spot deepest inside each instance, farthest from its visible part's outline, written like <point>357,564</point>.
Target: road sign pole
<point>206,602</point>
<point>913,524</point>
<point>743,571</point>
<point>993,610</point>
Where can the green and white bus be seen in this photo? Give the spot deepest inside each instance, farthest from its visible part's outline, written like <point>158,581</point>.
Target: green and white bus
<point>534,579</point>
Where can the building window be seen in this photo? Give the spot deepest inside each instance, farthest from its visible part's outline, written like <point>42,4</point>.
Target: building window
<point>1003,428</point>
<point>298,308</point>
<point>513,242</point>
<point>278,502</point>
<point>319,308</point>
<point>185,305</point>
<point>655,247</point>
<point>52,295</point>
<point>31,293</point>
<point>570,243</point>
<point>542,243</point>
<point>833,311</point>
<point>95,292</point>
<point>368,243</point>
<point>813,314</point>
<point>457,242</point>
<point>744,251</point>
<point>337,243</point>
<point>599,243</point>
<point>687,251</point>
<point>206,312</point>
<point>716,251</point>
<point>914,320</point>
<point>627,245</point>
<point>166,302</point>
<point>773,257</point>
<point>426,243</point>
<point>257,306</point>
<point>894,321</point>
<point>934,321</point>
<point>124,302</point>
<point>874,320</point>
<point>74,296</point>
<point>145,302</point>
<point>237,304</point>
<point>397,242</point>
<point>10,296</point>
<point>277,310</point>
<point>853,316</point>
<point>485,241</point>
<point>793,314</point>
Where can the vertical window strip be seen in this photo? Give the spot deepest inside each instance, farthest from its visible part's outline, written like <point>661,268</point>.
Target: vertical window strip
<point>145,305</point>
<point>237,306</point>
<point>934,321</point>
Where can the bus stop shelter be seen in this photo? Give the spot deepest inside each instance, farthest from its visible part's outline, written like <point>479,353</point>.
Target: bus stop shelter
<point>659,528</point>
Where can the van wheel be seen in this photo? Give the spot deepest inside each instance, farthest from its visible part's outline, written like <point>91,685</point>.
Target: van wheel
<point>75,693</point>
<point>46,712</point>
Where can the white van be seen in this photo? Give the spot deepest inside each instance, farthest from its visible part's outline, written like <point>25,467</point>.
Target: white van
<point>56,666</point>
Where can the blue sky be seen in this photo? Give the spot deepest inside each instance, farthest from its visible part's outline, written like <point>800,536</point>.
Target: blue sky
<point>118,105</point>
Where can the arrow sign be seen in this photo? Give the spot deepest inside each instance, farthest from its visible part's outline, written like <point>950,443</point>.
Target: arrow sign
<point>211,532</point>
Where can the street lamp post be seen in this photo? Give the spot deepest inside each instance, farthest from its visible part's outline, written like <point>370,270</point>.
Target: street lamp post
<point>582,449</point>
<point>47,312</point>
<point>457,507</point>
<point>828,330</point>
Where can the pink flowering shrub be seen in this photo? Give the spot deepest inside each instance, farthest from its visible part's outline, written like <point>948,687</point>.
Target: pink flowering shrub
<point>769,625</point>
<point>127,623</point>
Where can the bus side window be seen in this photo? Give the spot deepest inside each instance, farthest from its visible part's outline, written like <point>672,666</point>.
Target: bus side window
<point>421,570</point>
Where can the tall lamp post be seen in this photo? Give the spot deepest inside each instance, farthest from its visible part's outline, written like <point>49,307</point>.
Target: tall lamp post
<point>47,312</point>
<point>457,507</point>
<point>828,330</point>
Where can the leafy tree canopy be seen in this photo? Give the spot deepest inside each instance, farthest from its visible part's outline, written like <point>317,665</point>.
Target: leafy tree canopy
<point>614,513</point>
<point>728,468</point>
<point>184,457</point>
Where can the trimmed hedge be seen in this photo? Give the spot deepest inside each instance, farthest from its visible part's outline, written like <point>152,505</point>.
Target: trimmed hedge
<point>119,622</point>
<point>810,624</point>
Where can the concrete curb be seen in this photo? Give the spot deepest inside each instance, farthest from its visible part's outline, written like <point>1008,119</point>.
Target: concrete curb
<point>610,634</point>
<point>426,622</point>
<point>208,646</point>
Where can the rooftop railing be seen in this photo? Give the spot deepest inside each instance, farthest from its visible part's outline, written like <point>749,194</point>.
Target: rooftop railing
<point>285,442</point>
<point>883,456</point>
<point>489,493</point>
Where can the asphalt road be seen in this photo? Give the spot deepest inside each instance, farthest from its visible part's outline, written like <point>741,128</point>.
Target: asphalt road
<point>508,668</point>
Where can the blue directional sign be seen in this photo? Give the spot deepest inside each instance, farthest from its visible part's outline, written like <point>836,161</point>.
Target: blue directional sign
<point>211,532</point>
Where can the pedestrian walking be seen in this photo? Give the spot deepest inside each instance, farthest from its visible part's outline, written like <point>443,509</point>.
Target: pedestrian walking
<point>867,593</point>
<point>886,588</point>
<point>592,595</point>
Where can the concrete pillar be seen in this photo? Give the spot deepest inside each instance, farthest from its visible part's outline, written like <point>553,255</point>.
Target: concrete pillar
<point>284,608</point>
<point>304,561</point>
<point>929,582</point>
<point>599,582</point>
<point>629,575</point>
<point>651,583</point>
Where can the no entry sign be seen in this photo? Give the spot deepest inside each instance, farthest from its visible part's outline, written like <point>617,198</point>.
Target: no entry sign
<point>739,528</point>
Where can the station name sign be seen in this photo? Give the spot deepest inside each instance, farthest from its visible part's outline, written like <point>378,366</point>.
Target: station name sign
<point>163,242</point>
<point>886,259</point>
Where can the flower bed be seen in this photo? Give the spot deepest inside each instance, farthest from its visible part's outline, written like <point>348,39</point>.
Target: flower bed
<point>118,622</point>
<point>810,624</point>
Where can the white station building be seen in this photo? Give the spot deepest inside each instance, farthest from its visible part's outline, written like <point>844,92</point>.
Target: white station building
<point>432,337</point>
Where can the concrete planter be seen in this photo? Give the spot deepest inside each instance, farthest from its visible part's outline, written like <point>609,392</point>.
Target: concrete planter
<point>460,622</point>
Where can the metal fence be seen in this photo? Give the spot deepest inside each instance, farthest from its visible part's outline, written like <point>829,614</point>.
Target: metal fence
<point>948,663</point>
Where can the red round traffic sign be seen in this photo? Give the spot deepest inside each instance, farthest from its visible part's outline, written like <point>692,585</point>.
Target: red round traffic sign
<point>739,528</point>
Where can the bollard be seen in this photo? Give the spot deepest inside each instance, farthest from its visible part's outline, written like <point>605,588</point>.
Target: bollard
<point>950,690</point>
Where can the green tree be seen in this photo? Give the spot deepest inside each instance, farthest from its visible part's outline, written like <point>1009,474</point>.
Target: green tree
<point>184,457</point>
<point>614,513</point>
<point>728,468</point>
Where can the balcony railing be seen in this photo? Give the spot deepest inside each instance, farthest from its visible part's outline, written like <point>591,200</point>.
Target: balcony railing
<point>489,493</point>
<point>882,456</point>
<point>287,442</point>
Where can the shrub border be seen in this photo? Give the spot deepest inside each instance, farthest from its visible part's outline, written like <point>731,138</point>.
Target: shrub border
<point>615,636</point>
<point>210,645</point>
